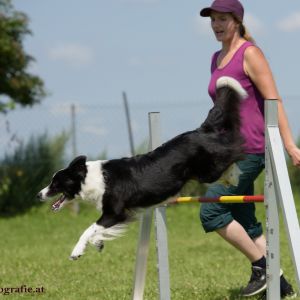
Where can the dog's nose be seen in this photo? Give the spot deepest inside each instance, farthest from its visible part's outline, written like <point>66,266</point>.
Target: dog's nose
<point>39,195</point>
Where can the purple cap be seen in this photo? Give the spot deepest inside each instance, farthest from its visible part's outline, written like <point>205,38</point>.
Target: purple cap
<point>226,6</point>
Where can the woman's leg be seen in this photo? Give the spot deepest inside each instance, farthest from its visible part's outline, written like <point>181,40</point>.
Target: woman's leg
<point>237,224</point>
<point>261,244</point>
<point>235,234</point>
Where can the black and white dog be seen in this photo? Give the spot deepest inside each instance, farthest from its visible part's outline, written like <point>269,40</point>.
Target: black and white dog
<point>120,187</point>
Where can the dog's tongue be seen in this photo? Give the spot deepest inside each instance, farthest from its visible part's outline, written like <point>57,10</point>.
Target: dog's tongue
<point>57,204</point>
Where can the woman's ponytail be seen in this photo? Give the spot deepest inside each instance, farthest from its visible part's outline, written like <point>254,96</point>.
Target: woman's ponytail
<point>245,33</point>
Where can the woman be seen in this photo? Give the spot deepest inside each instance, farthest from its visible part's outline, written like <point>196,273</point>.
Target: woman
<point>242,60</point>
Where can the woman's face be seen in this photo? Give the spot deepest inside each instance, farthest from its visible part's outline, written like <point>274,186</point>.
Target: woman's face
<point>224,26</point>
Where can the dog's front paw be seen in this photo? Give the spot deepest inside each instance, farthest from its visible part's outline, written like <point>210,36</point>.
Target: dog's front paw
<point>77,252</point>
<point>72,257</point>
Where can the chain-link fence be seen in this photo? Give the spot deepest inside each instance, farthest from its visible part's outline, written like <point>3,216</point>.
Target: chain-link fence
<point>97,128</point>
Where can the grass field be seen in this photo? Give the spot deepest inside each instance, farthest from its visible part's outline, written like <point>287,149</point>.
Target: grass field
<point>35,248</point>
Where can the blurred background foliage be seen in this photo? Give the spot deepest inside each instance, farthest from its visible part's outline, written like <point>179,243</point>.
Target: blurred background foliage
<point>24,172</point>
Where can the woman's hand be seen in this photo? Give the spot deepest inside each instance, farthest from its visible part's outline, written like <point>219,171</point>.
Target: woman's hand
<point>294,153</point>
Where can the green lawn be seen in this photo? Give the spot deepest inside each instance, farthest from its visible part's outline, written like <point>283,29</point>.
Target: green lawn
<point>35,248</point>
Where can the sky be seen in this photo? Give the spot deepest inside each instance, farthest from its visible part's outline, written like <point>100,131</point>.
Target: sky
<point>156,51</point>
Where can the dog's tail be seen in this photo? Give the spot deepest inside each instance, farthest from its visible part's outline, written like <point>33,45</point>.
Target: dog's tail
<point>225,115</point>
<point>231,84</point>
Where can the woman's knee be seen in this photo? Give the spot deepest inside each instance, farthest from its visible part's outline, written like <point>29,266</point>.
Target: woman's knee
<point>213,217</point>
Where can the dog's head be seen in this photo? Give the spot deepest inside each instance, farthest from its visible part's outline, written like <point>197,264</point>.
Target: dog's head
<point>66,183</point>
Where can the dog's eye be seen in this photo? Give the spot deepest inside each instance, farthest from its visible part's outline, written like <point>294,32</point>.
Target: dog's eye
<point>55,186</point>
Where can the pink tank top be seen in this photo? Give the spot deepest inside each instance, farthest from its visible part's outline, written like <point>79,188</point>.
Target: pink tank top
<point>252,108</point>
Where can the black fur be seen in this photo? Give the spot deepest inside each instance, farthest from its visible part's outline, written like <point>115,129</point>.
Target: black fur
<point>202,154</point>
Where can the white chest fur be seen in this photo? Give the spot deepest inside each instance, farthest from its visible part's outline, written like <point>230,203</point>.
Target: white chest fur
<point>93,187</point>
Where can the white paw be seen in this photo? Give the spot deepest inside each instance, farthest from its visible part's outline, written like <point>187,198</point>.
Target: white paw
<point>77,252</point>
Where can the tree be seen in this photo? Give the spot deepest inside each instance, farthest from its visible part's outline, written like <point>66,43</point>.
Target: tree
<point>17,85</point>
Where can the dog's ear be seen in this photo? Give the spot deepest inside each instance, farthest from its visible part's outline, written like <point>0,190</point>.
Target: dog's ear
<point>78,161</point>
<point>77,166</point>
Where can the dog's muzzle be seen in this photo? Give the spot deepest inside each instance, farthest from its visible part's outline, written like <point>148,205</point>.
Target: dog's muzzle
<point>42,195</point>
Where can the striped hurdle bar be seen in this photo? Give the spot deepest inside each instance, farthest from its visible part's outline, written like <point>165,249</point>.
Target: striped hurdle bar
<point>221,199</point>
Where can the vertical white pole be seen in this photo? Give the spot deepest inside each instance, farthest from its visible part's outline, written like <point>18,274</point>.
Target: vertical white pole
<point>272,217</point>
<point>285,196</point>
<point>142,255</point>
<point>145,230</point>
<point>160,222</point>
<point>161,229</point>
<point>162,253</point>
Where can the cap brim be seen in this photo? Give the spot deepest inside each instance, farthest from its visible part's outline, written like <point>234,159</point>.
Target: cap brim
<point>205,12</point>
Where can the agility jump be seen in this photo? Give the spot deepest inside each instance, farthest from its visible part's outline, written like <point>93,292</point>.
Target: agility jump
<point>277,193</point>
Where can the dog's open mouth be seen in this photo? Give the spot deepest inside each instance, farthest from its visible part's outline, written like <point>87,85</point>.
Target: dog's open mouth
<point>59,203</point>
